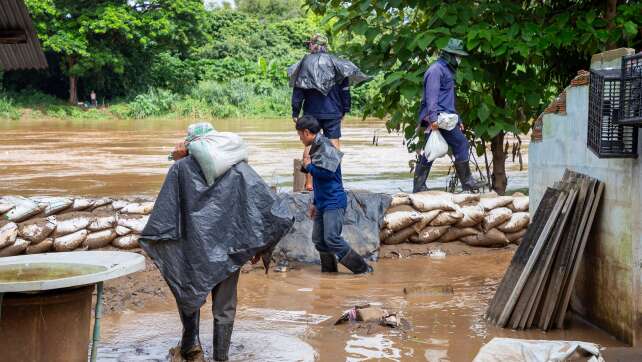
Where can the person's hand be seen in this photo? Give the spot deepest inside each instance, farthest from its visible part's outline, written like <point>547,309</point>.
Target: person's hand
<point>306,161</point>
<point>312,212</point>
<point>461,126</point>
<point>255,259</point>
<point>180,151</point>
<point>434,126</point>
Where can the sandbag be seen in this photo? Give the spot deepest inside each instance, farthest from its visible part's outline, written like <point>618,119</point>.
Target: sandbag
<point>136,208</point>
<point>465,199</point>
<point>455,233</point>
<point>70,242</point>
<point>517,222</point>
<point>119,204</point>
<point>101,203</point>
<point>18,247</point>
<point>400,236</point>
<point>5,206</point>
<point>126,242</point>
<point>134,222</point>
<point>515,237</point>
<point>428,202</point>
<point>82,204</point>
<point>8,233</point>
<point>24,208</point>
<point>38,229</point>
<point>520,204</point>
<point>473,216</point>
<point>430,234</point>
<point>384,234</point>
<point>398,220</point>
<point>426,218</point>
<point>52,205</point>
<point>44,246</point>
<point>99,239</point>
<point>492,237</point>
<point>122,231</point>
<point>400,199</point>
<point>495,202</point>
<point>397,208</point>
<point>72,222</point>
<point>447,218</point>
<point>102,222</point>
<point>436,146</point>
<point>496,217</point>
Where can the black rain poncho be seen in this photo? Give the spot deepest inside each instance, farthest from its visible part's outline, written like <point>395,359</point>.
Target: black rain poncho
<point>198,235</point>
<point>321,71</point>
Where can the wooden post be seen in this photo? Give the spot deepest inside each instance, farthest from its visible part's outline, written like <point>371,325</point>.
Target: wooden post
<point>298,180</point>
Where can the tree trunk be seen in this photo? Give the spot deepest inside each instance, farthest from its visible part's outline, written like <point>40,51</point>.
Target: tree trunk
<point>499,163</point>
<point>73,82</point>
<point>611,11</point>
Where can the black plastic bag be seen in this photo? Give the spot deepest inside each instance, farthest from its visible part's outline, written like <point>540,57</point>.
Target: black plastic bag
<point>321,71</point>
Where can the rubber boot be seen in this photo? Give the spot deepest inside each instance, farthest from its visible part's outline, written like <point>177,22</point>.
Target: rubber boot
<point>355,263</point>
<point>422,169</point>
<point>328,262</point>
<point>222,339</point>
<point>190,342</point>
<point>468,182</point>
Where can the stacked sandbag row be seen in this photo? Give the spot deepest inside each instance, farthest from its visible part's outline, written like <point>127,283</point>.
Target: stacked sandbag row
<point>47,224</point>
<point>435,216</point>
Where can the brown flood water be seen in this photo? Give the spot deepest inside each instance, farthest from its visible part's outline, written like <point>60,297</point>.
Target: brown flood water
<point>289,316</point>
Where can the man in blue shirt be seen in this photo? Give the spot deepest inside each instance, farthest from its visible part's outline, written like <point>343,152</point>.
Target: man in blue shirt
<point>438,98</point>
<point>330,200</point>
<point>328,109</point>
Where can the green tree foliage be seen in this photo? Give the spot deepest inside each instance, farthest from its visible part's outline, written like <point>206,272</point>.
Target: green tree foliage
<point>272,9</point>
<point>523,53</point>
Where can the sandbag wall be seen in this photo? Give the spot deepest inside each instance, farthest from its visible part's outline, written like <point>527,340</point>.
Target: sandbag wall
<point>47,224</point>
<point>435,216</point>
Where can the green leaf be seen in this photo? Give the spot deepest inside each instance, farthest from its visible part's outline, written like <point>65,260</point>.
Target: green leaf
<point>483,112</point>
<point>630,28</point>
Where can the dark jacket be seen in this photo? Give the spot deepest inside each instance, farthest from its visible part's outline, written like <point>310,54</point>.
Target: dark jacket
<point>335,105</point>
<point>439,92</point>
<point>326,175</point>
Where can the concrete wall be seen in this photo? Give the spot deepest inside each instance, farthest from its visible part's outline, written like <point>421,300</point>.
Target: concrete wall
<point>609,286</point>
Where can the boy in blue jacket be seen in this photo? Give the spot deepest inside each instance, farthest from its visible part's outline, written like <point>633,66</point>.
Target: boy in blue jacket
<point>330,200</point>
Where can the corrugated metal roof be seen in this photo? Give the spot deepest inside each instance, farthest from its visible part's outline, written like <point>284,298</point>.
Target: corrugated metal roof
<point>15,16</point>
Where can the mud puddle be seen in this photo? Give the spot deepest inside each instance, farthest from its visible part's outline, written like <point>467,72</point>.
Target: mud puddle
<point>290,316</point>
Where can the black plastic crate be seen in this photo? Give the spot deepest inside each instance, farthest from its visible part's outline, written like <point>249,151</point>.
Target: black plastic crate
<point>606,138</point>
<point>631,91</point>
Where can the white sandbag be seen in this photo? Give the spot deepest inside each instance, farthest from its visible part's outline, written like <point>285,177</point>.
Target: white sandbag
<point>102,222</point>
<point>24,208</point>
<point>523,350</point>
<point>473,216</point>
<point>126,242</point>
<point>430,234</point>
<point>99,239</point>
<point>520,204</point>
<point>496,217</point>
<point>44,246</point>
<point>517,222</point>
<point>71,223</point>
<point>465,199</point>
<point>38,229</point>
<point>52,205</point>
<point>134,222</point>
<point>82,204</point>
<point>426,218</point>
<point>71,241</point>
<point>425,201</point>
<point>495,202</point>
<point>136,208</point>
<point>8,233</point>
<point>119,204</point>
<point>101,203</point>
<point>215,152</point>
<point>436,146</point>
<point>5,206</point>
<point>492,237</point>
<point>122,231</point>
<point>398,220</point>
<point>455,233</point>
<point>400,236</point>
<point>384,234</point>
<point>400,199</point>
<point>447,218</point>
<point>517,236</point>
<point>18,247</point>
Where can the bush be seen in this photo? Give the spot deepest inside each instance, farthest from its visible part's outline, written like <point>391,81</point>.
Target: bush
<point>156,102</point>
<point>8,109</point>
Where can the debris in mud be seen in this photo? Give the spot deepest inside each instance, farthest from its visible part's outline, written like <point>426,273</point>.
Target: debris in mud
<point>374,315</point>
<point>197,355</point>
<point>429,290</point>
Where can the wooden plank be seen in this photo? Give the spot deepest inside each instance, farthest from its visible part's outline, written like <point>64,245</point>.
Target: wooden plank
<point>578,258</point>
<point>522,254</point>
<point>521,281</point>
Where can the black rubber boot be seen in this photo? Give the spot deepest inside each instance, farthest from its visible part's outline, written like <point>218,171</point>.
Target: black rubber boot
<point>468,182</point>
<point>421,176</point>
<point>190,342</point>
<point>328,262</point>
<point>355,263</point>
<point>222,339</point>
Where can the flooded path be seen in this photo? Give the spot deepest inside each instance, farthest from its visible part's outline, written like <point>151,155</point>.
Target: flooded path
<point>289,316</point>
<point>129,157</point>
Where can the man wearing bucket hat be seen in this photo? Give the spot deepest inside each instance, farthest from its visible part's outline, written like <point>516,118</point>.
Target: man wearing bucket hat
<point>439,99</point>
